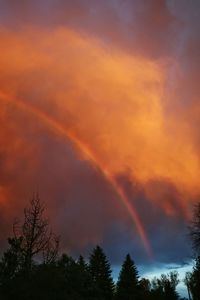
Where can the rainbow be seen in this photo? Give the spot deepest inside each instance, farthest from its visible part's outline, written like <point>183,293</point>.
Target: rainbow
<point>60,130</point>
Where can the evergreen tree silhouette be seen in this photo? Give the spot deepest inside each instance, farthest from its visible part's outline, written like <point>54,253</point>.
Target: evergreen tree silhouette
<point>128,283</point>
<point>194,283</point>
<point>84,279</point>
<point>195,280</point>
<point>12,260</point>
<point>102,282</point>
<point>195,229</point>
<point>11,269</point>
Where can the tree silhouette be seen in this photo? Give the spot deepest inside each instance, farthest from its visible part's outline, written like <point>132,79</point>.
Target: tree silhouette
<point>99,267</point>
<point>84,279</point>
<point>188,282</point>
<point>157,291</point>
<point>193,280</point>
<point>32,238</point>
<point>164,288</point>
<point>31,269</point>
<point>169,283</point>
<point>12,259</point>
<point>128,284</point>
<point>37,238</point>
<point>195,229</point>
<point>144,289</point>
<point>11,269</point>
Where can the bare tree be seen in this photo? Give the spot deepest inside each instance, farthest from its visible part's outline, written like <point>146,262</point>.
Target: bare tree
<point>188,282</point>
<point>37,237</point>
<point>50,252</point>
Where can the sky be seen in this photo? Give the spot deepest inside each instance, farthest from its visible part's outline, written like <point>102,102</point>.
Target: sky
<point>99,113</point>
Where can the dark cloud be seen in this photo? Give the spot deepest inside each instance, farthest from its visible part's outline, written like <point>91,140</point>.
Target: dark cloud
<point>82,206</point>
<point>168,235</point>
<point>146,27</point>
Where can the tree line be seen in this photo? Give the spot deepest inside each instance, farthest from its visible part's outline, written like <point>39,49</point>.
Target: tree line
<point>32,268</point>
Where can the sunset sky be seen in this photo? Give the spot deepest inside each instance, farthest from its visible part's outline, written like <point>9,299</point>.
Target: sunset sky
<point>99,112</point>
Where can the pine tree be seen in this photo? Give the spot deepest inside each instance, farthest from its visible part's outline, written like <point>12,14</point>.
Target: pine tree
<point>81,263</point>
<point>11,269</point>
<point>12,260</point>
<point>195,237</point>
<point>128,284</point>
<point>195,229</point>
<point>195,280</point>
<point>100,271</point>
<point>84,279</point>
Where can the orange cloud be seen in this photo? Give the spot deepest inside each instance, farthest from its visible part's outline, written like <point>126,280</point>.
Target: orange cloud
<point>107,101</point>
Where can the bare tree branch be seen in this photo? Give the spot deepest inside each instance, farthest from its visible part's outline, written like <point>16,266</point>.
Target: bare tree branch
<point>37,237</point>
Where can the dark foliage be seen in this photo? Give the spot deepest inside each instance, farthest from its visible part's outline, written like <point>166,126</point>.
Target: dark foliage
<point>192,280</point>
<point>31,268</point>
<point>195,229</point>
<point>164,288</point>
<point>100,271</point>
<point>128,284</point>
